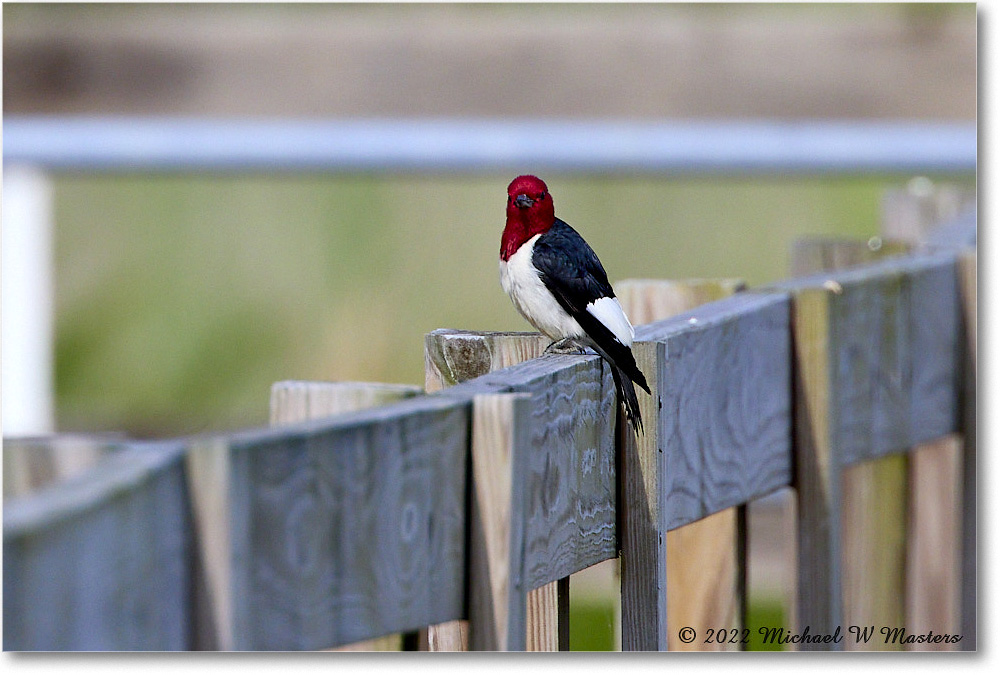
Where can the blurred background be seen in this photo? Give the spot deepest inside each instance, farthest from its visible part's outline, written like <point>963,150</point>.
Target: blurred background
<point>180,297</point>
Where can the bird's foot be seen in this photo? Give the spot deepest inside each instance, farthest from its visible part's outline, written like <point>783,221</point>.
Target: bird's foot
<point>565,346</point>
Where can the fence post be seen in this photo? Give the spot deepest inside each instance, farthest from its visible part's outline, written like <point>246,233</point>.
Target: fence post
<point>456,356</point>
<point>940,593</point>
<point>293,401</point>
<point>663,580</point>
<point>498,603</point>
<point>873,526</point>
<point>208,471</point>
<point>865,527</point>
<point>819,603</point>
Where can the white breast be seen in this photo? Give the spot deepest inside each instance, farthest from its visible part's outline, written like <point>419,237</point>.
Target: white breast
<point>523,284</point>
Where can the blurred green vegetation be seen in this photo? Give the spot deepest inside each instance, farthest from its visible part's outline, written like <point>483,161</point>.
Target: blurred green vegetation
<point>181,298</point>
<point>591,624</point>
<point>764,613</point>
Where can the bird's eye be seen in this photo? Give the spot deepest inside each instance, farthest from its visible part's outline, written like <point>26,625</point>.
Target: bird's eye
<point>542,196</point>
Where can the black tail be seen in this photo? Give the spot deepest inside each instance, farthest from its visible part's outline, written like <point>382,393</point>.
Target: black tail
<point>625,370</point>
<point>626,394</point>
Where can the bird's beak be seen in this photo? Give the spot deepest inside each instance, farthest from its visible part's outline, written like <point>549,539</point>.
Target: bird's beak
<point>523,201</point>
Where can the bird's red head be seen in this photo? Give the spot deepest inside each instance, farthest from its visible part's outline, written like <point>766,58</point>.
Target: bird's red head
<point>529,212</point>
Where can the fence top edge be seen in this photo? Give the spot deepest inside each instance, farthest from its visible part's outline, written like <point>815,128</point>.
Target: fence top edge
<point>520,377</point>
<point>396,410</point>
<point>463,333</point>
<point>889,267</point>
<point>710,315</point>
<point>115,474</point>
<point>286,385</point>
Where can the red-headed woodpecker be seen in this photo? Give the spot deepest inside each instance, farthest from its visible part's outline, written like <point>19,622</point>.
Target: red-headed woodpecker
<point>558,285</point>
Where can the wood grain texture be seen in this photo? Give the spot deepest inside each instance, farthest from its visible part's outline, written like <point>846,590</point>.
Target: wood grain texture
<point>570,479</point>
<point>718,539</point>
<point>351,528</point>
<point>876,351</point>
<point>894,335</point>
<point>817,473</point>
<point>570,472</point>
<point>567,476</point>
<point>497,595</point>
<point>725,420</point>
<point>643,543</point>
<point>721,398</point>
<point>873,535</point>
<point>465,355</point>
<point>934,541</point>
<point>99,562</point>
<point>873,493</point>
<point>296,401</point>
<point>547,607</point>
<point>453,356</point>
<point>944,218</point>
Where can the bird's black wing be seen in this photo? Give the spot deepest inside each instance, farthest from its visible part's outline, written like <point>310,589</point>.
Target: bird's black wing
<point>571,271</point>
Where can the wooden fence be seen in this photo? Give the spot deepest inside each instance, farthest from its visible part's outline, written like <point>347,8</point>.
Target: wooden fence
<point>462,511</point>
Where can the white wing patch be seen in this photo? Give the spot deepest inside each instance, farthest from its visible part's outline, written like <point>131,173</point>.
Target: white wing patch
<point>610,313</point>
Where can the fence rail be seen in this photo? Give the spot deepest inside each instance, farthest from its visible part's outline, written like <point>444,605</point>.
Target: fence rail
<point>456,505</point>
<point>189,144</point>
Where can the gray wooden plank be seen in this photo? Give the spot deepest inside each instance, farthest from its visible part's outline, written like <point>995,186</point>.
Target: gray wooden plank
<point>519,582</point>
<point>569,482</point>
<point>894,338</point>
<point>454,356</point>
<point>745,431</point>
<point>724,384</point>
<point>570,515</point>
<point>294,401</point>
<point>100,562</point>
<point>870,379</point>
<point>349,528</point>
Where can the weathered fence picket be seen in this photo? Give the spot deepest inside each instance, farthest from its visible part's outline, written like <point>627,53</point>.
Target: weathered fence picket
<point>451,357</point>
<point>876,373</point>
<point>294,401</point>
<point>99,562</point>
<point>732,447</point>
<point>695,596</point>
